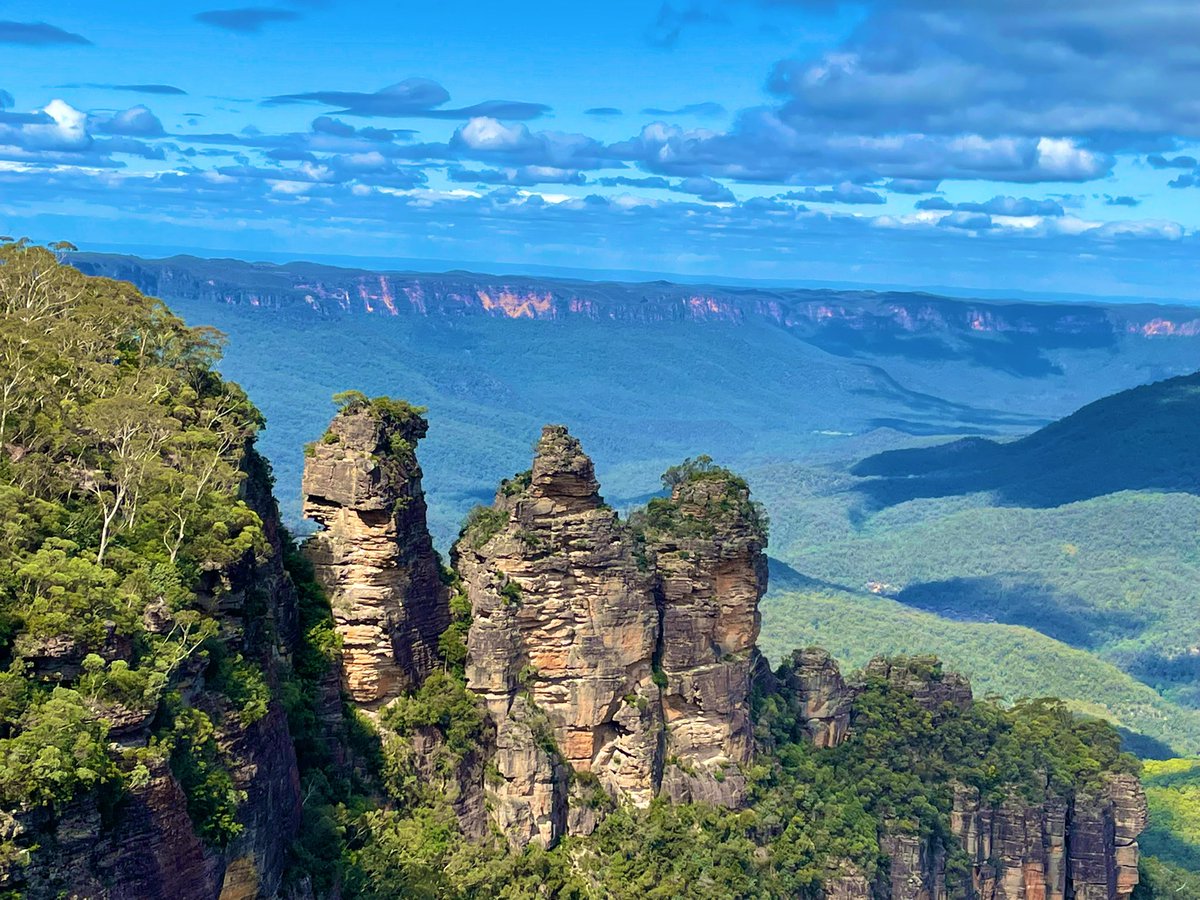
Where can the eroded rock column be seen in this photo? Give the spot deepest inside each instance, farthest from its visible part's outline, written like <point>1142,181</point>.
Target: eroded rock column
<point>707,544</point>
<point>374,556</point>
<point>561,646</point>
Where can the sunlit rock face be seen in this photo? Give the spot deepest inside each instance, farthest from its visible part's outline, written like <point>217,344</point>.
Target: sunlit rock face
<point>561,647</point>
<point>374,556</point>
<point>710,573</point>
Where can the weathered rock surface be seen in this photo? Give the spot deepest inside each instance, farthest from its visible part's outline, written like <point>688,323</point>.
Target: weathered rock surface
<point>917,868</point>
<point>821,695</point>
<point>1102,840</point>
<point>562,641</point>
<point>631,647</point>
<point>374,556</point>
<point>923,679</point>
<point>1017,849</point>
<point>1053,848</point>
<point>707,545</point>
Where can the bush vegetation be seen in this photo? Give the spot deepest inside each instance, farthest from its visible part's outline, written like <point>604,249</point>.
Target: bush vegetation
<point>122,461</point>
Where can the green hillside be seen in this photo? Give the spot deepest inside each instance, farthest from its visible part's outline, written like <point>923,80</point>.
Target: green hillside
<point>1006,660</point>
<point>1143,438</point>
<point>1118,575</point>
<point>1173,794</point>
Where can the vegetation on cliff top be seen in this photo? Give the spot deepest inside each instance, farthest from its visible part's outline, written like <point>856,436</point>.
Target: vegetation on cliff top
<point>122,453</point>
<point>703,497</point>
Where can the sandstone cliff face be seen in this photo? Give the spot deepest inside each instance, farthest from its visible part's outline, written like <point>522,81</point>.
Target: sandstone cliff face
<point>562,643</point>
<point>375,558</point>
<point>147,848</point>
<point>1055,848</point>
<point>710,572</point>
<point>821,695</point>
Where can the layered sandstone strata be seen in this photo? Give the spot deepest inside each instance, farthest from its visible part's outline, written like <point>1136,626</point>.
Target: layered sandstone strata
<point>562,642</point>
<point>374,556</point>
<point>706,543</point>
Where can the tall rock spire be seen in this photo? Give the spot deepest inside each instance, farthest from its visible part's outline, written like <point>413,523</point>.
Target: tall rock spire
<point>561,644</point>
<point>706,542</point>
<point>374,556</point>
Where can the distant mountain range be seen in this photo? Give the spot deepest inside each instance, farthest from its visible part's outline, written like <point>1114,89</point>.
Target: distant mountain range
<point>649,372</point>
<point>1007,335</point>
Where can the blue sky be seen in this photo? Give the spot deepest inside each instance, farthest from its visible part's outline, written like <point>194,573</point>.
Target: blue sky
<point>990,144</point>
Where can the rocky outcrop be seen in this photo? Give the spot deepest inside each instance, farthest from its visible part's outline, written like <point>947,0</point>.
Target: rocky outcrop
<point>706,543</point>
<point>1085,849</point>
<point>610,654</point>
<point>374,556</point>
<point>562,643</point>
<point>1102,839</point>
<point>1080,847</point>
<point>916,867</point>
<point>821,695</point>
<point>1017,849</point>
<point>923,678</point>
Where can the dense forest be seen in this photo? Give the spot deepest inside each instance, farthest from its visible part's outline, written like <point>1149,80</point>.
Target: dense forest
<point>140,646</point>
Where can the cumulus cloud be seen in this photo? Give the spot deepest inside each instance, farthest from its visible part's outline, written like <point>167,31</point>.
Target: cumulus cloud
<point>762,147</point>
<point>59,127</point>
<point>1116,74</point>
<point>842,193</point>
<point>1122,200</point>
<point>413,97</point>
<point>137,121</point>
<point>706,189</point>
<point>37,34</point>
<point>486,138</point>
<point>246,20</point>
<point>997,206</point>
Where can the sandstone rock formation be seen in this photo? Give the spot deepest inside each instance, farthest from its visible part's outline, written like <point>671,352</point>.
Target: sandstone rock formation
<point>562,642</point>
<point>1053,848</point>
<point>611,654</point>
<point>374,556</point>
<point>706,542</point>
<point>923,679</point>
<point>821,695</point>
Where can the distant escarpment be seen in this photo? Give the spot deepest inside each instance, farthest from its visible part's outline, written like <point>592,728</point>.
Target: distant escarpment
<point>838,320</point>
